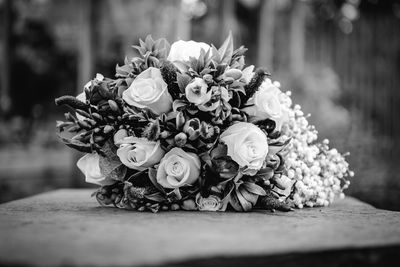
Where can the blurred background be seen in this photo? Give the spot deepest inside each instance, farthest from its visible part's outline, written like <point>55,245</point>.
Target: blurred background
<point>341,60</point>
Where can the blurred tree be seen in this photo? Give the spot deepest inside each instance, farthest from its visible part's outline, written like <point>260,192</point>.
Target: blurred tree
<point>5,101</point>
<point>266,34</point>
<point>87,34</point>
<point>297,37</point>
<point>227,18</point>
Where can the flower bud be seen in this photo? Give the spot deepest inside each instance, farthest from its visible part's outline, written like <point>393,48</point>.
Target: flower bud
<point>180,139</point>
<point>82,113</point>
<point>189,204</point>
<point>175,206</point>
<point>233,73</point>
<point>206,130</point>
<point>208,78</point>
<point>180,120</point>
<point>192,128</point>
<point>97,116</point>
<point>98,138</point>
<point>108,129</point>
<point>84,125</point>
<point>113,105</point>
<point>165,134</point>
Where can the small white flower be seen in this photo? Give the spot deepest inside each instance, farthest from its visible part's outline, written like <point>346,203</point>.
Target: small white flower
<point>210,203</point>
<point>196,92</point>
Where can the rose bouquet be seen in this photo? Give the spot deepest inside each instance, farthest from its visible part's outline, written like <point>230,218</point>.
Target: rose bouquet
<point>190,127</point>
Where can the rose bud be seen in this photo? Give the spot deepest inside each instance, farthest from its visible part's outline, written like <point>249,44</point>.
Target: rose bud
<point>208,78</point>
<point>192,128</point>
<point>180,120</point>
<point>180,139</point>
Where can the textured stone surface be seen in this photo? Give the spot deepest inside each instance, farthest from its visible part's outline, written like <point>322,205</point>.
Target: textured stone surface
<point>67,227</point>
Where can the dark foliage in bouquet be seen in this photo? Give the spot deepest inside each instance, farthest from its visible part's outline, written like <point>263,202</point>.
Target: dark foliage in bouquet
<point>186,126</point>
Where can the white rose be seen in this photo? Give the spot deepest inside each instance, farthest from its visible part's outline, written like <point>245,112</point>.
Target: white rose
<point>210,203</point>
<point>181,51</point>
<point>267,104</point>
<point>196,92</point>
<point>139,153</point>
<point>247,145</point>
<point>178,168</point>
<point>89,166</point>
<point>149,90</point>
<point>82,96</point>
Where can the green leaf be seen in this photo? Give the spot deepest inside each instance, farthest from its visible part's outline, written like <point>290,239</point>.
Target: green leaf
<point>254,188</point>
<point>215,55</point>
<point>219,151</point>
<point>149,42</point>
<point>63,124</point>
<point>246,205</point>
<point>103,90</point>
<point>75,144</point>
<point>71,101</point>
<point>226,50</point>
<point>183,80</point>
<point>252,198</point>
<point>240,51</point>
<point>177,104</point>
<point>153,179</point>
<point>276,147</point>
<point>238,87</point>
<point>110,164</point>
<point>265,173</point>
<point>234,201</point>
<point>157,197</point>
<point>163,47</point>
<point>228,189</point>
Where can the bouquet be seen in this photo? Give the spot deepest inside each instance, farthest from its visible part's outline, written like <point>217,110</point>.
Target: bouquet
<point>189,126</point>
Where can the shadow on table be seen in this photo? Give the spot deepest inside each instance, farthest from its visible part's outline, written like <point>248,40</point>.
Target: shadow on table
<point>383,256</point>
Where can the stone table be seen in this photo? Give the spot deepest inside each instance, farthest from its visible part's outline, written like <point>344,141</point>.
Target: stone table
<point>67,227</point>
